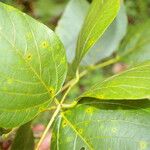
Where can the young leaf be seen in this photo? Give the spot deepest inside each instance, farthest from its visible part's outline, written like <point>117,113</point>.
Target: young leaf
<point>24,139</point>
<point>100,16</point>
<point>68,31</point>
<point>109,41</point>
<point>32,67</point>
<point>104,125</point>
<point>131,84</point>
<point>136,46</point>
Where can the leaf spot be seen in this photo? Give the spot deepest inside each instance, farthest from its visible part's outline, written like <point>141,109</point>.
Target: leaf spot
<point>52,91</point>
<point>143,145</point>
<point>28,57</point>
<point>64,124</point>
<point>44,44</point>
<point>80,131</point>
<point>114,130</point>
<point>89,110</point>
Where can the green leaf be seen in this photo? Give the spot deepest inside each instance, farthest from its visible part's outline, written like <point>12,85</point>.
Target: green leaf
<point>110,40</point>
<point>100,16</point>
<point>68,31</point>
<point>32,67</point>
<point>104,125</point>
<point>136,46</point>
<point>24,139</point>
<point>131,84</point>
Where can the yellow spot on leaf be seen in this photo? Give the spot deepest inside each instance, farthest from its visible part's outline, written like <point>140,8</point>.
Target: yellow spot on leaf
<point>89,110</point>
<point>28,57</point>
<point>64,124</point>
<point>143,145</point>
<point>114,130</point>
<point>52,91</point>
<point>44,44</point>
<point>80,131</point>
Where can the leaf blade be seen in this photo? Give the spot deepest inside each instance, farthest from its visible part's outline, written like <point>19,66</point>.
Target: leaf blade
<point>132,84</point>
<point>102,125</point>
<point>104,13</point>
<point>33,66</point>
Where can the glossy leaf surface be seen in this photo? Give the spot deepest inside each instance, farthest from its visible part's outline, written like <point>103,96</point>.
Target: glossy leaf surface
<point>32,67</point>
<point>131,84</point>
<point>104,125</point>
<point>100,16</point>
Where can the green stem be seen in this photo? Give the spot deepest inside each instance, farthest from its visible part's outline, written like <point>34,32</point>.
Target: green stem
<point>70,87</point>
<point>48,126</point>
<point>6,136</point>
<point>92,68</point>
<point>67,106</point>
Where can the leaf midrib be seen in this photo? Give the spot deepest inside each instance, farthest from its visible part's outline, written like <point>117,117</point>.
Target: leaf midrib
<point>81,137</point>
<point>31,69</point>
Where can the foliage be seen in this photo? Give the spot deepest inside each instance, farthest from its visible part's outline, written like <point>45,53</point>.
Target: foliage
<point>38,75</point>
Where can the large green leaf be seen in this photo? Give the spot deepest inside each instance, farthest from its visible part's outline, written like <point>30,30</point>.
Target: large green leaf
<point>136,46</point>
<point>99,17</point>
<point>68,31</point>
<point>24,139</point>
<point>104,125</point>
<point>131,84</point>
<point>32,67</point>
